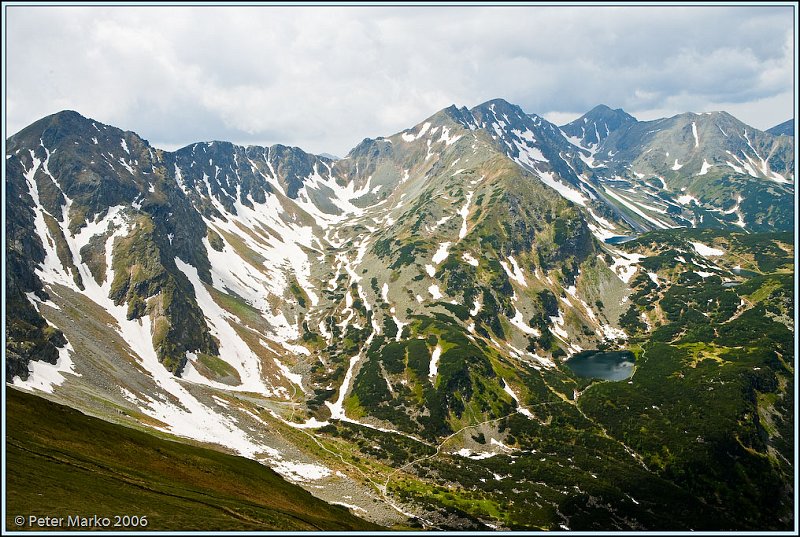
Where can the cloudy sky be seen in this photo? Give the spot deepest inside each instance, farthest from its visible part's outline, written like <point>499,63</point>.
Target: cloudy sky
<point>324,78</point>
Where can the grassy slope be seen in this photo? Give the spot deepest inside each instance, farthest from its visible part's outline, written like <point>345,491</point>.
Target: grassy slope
<point>61,463</point>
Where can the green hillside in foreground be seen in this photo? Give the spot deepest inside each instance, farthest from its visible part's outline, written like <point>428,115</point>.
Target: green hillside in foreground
<point>62,463</point>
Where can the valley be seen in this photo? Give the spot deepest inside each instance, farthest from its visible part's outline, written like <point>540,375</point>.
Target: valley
<point>391,331</point>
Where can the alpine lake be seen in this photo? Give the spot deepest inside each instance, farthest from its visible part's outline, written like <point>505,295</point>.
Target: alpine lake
<point>605,365</point>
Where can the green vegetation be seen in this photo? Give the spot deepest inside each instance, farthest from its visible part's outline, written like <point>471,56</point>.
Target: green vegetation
<point>603,455</point>
<point>151,284</point>
<point>298,293</point>
<point>729,442</point>
<point>62,463</point>
<point>217,369</point>
<point>242,250</point>
<point>215,240</point>
<point>394,382</point>
<point>62,249</point>
<point>94,255</point>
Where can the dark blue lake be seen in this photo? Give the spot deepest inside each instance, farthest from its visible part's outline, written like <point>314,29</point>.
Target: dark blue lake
<point>619,239</point>
<point>613,365</point>
<point>744,272</point>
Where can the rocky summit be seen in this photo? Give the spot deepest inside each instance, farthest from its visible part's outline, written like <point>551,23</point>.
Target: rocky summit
<point>399,330</point>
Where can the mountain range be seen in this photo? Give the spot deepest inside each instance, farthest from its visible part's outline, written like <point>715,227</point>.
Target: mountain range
<point>394,328</point>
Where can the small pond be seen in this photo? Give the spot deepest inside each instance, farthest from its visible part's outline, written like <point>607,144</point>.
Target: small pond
<point>744,272</point>
<point>613,365</point>
<point>619,239</point>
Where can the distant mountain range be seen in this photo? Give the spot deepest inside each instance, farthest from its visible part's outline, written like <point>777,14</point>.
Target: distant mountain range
<point>415,304</point>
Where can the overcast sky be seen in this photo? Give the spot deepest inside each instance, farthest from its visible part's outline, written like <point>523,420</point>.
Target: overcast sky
<point>324,78</point>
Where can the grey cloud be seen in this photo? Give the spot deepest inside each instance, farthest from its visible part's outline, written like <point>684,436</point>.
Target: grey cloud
<point>323,78</point>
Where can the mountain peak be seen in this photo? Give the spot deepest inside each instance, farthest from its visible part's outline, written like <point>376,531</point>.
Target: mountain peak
<point>69,118</point>
<point>598,124</point>
<point>66,115</point>
<point>500,109</point>
<point>605,112</point>
<point>65,125</point>
<point>784,129</point>
<point>499,106</point>
<point>498,101</point>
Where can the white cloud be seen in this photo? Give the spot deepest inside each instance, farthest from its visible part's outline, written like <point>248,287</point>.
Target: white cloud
<point>562,118</point>
<point>323,78</point>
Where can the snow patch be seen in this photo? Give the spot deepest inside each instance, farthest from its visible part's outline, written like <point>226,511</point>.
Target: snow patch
<point>476,456</point>
<point>476,307</point>
<point>519,322</point>
<point>567,192</point>
<point>44,376</point>
<point>300,471</point>
<point>707,251</point>
<point>446,138</point>
<point>408,137</point>
<point>442,253</point>
<point>385,292</point>
<point>558,326</point>
<point>469,259</point>
<point>520,409</point>
<point>434,366</point>
<point>464,212</point>
<point>231,346</point>
<point>310,424</point>
<point>630,205</point>
<point>625,265</point>
<point>337,408</point>
<point>435,292</point>
<point>609,332</point>
<point>516,274</point>
<point>295,378</point>
<point>400,326</point>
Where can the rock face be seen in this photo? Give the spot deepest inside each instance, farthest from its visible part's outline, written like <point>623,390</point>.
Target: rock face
<point>428,283</point>
<point>784,129</point>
